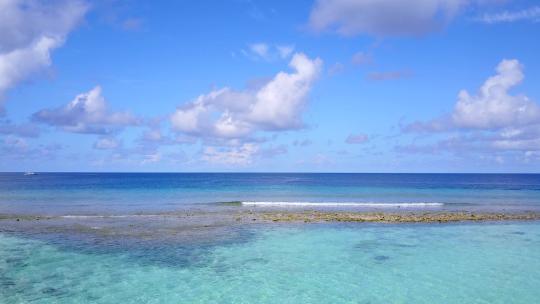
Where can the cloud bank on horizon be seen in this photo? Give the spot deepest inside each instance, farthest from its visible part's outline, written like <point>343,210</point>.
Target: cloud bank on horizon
<point>88,86</point>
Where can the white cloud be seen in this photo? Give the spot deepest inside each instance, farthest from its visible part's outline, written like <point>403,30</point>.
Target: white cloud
<point>523,140</point>
<point>268,52</point>
<point>529,14</point>
<point>19,63</point>
<point>277,105</point>
<point>491,121</point>
<point>260,49</point>
<point>198,117</point>
<point>87,113</point>
<point>242,155</point>
<point>383,17</point>
<point>285,50</point>
<point>524,144</point>
<point>30,30</point>
<point>23,22</point>
<point>494,107</point>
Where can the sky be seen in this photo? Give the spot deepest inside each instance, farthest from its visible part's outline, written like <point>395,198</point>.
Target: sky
<point>270,86</point>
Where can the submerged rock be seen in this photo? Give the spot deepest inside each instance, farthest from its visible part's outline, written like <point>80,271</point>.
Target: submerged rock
<point>52,291</point>
<point>381,258</point>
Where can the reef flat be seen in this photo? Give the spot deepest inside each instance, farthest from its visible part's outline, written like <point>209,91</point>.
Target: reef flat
<point>197,219</point>
<point>389,217</point>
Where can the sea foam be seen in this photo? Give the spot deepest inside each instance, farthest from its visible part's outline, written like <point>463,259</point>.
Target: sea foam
<point>108,216</point>
<point>342,204</point>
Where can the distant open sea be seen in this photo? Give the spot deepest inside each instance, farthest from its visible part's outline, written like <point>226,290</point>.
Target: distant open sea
<point>80,259</point>
<point>63,193</point>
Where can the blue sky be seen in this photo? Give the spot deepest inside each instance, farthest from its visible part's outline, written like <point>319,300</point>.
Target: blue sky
<point>325,85</point>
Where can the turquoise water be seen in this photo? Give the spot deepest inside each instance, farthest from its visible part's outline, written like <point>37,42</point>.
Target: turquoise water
<point>209,259</point>
<point>361,263</point>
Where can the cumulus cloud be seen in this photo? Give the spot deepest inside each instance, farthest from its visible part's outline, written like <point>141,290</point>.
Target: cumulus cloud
<point>229,114</point>
<point>357,139</point>
<point>383,17</point>
<point>493,107</point>
<point>529,14</point>
<point>87,113</point>
<point>31,29</point>
<point>493,120</point>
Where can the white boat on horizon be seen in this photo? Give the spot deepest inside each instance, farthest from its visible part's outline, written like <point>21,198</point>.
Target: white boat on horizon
<point>29,173</point>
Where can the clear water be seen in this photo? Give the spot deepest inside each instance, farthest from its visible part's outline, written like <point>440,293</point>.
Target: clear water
<point>122,192</point>
<point>461,263</point>
<point>73,262</point>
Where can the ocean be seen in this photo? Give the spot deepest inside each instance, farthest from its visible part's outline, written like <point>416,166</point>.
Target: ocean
<point>118,193</point>
<point>102,238</point>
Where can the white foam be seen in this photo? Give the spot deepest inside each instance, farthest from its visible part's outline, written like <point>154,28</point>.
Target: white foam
<point>342,204</point>
<point>108,216</point>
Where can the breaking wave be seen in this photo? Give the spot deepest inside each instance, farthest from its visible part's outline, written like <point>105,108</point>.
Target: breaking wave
<point>343,204</point>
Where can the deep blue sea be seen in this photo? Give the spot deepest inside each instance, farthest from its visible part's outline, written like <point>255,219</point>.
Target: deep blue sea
<point>161,259</point>
<point>53,193</point>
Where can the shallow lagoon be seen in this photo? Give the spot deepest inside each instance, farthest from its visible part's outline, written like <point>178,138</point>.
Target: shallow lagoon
<point>290,263</point>
<point>169,242</point>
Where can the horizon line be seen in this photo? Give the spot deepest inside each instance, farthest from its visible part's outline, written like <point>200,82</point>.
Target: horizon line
<point>262,172</point>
